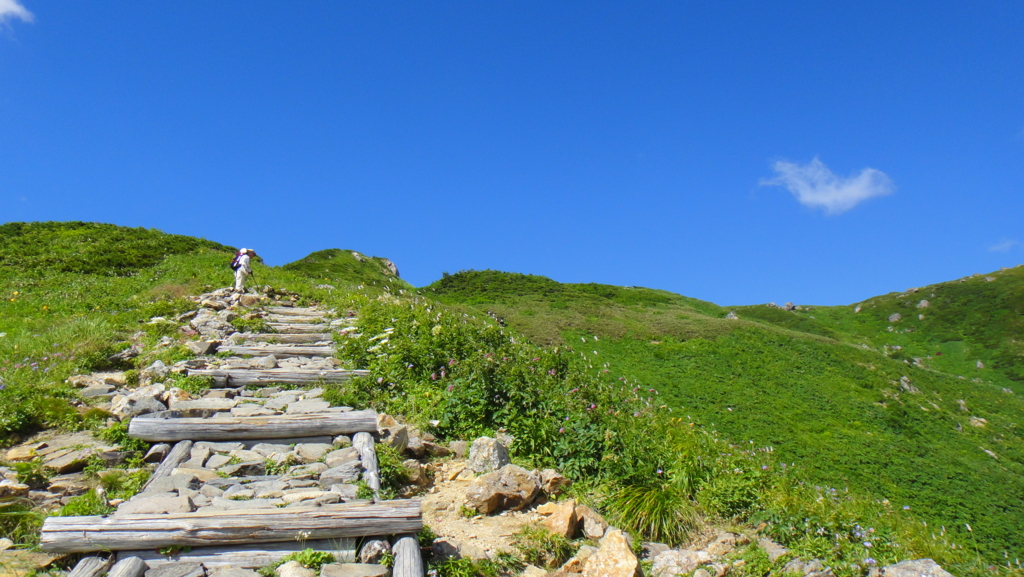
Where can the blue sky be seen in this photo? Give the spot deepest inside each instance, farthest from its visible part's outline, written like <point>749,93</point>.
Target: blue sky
<point>737,152</point>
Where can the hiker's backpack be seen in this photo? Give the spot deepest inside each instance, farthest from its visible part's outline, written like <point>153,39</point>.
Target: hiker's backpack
<point>234,262</point>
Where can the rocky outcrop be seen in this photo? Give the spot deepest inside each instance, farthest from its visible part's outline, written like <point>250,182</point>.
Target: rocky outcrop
<point>915,568</point>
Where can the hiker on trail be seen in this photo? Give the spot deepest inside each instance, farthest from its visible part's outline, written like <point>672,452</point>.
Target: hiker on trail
<point>242,267</point>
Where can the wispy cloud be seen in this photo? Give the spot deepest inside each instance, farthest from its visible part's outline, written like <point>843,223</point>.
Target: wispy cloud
<point>1004,245</point>
<point>816,186</point>
<point>10,9</point>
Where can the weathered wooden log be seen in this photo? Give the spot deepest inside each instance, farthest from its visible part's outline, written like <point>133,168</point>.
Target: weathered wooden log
<point>128,566</point>
<point>408,561</point>
<point>291,338</point>
<point>298,328</point>
<point>248,556</point>
<point>92,566</point>
<point>296,311</point>
<point>363,443</point>
<point>234,378</point>
<point>238,428</point>
<point>178,454</point>
<point>239,527</point>
<point>280,351</point>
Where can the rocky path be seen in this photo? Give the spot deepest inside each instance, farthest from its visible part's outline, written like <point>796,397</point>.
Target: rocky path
<point>257,468</point>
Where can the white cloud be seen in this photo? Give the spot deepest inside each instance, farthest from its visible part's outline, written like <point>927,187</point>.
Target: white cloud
<point>12,9</point>
<point>1003,246</point>
<point>816,186</point>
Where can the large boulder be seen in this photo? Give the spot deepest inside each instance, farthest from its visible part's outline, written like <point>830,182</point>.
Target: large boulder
<point>511,487</point>
<point>614,558</point>
<point>915,568</point>
<point>486,455</point>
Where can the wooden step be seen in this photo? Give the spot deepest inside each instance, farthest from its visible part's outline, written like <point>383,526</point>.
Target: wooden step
<point>295,311</point>
<point>293,328</point>
<point>239,527</point>
<point>233,378</point>
<point>279,351</point>
<point>238,428</point>
<point>296,320</point>
<point>290,338</point>
<point>250,556</point>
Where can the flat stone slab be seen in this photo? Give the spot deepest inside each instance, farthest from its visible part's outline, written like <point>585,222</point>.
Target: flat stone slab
<point>156,505</point>
<point>177,570</point>
<point>308,406</point>
<point>352,570</point>
<point>211,404</point>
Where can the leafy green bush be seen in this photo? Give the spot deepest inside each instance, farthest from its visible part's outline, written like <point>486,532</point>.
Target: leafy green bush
<point>393,474</point>
<point>117,434</point>
<point>89,503</point>
<point>540,547</point>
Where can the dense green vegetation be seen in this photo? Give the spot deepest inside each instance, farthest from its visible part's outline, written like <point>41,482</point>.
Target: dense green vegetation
<point>803,383</point>
<point>662,410</point>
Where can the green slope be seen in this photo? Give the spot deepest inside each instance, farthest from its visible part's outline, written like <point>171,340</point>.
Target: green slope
<point>816,385</point>
<point>347,268</point>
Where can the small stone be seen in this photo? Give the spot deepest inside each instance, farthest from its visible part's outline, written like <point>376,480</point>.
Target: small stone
<point>293,569</point>
<point>561,517</point>
<point>341,456</point>
<point>266,363</point>
<point>373,551</point>
<point>9,489</point>
<point>157,453</point>
<point>553,483</point>
<point>307,407</point>
<point>203,475</point>
<point>202,347</point>
<point>249,469</point>
<point>594,525</point>
<point>459,448</point>
<point>156,505</point>
<point>773,549</point>
<point>722,545</point>
<point>509,488</point>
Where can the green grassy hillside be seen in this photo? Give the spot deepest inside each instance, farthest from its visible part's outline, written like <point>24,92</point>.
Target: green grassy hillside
<point>347,268</point>
<point>819,386</point>
<point>639,397</point>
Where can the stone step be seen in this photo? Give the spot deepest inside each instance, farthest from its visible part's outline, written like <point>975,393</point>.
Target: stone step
<point>280,351</point>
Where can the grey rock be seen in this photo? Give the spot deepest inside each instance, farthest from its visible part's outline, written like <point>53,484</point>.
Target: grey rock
<point>157,453</point>
<point>294,569</point>
<point>210,491</point>
<point>374,550</point>
<point>312,452</point>
<point>416,448</point>
<point>307,406</point>
<point>156,505</point>
<point>347,492</point>
<point>249,469</point>
<point>396,437</point>
<point>281,402</point>
<point>678,562</point>
<point>209,404</point>
<point>723,544</point>
<point>217,461</point>
<point>915,568</point>
<point>230,571</point>
<point>156,371</point>
<point>177,570</point>
<point>773,549</point>
<point>228,504</point>
<point>487,455</point>
<point>96,391</point>
<point>459,448</point>
<point>445,548</point>
<point>267,362</point>
<point>354,570</point>
<point>341,456</point>
<point>435,450</point>
<point>202,347</point>
<point>894,317</point>
<point>342,474</point>
<point>732,316</point>
<point>268,450</point>
<point>652,550</point>
<point>342,441</point>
